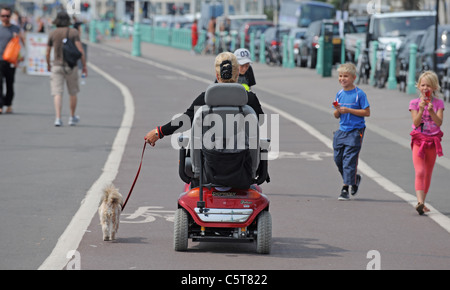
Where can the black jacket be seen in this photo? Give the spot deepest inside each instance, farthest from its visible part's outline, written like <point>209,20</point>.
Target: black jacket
<point>169,129</point>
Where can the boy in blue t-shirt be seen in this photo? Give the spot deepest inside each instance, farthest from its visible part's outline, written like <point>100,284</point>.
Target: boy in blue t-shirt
<point>351,106</point>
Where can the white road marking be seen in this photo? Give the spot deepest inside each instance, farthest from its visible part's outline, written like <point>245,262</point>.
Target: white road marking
<point>307,155</point>
<point>74,232</point>
<point>148,214</point>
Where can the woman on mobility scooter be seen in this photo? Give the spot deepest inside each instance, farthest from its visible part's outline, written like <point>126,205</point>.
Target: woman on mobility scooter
<point>230,75</point>
<point>222,201</point>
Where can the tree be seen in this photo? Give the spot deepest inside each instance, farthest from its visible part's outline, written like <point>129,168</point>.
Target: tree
<point>411,4</point>
<point>338,3</point>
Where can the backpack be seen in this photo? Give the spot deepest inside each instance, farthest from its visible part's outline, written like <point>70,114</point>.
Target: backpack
<point>71,54</point>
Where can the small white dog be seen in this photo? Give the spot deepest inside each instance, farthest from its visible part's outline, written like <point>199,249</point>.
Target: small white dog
<point>109,212</point>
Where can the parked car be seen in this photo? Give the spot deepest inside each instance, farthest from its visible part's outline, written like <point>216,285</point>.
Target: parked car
<point>426,52</point>
<point>386,28</point>
<point>255,27</point>
<point>299,36</point>
<point>229,25</point>
<point>310,46</point>
<point>234,22</point>
<point>445,83</point>
<point>393,28</point>
<point>361,23</point>
<point>273,38</point>
<point>403,55</point>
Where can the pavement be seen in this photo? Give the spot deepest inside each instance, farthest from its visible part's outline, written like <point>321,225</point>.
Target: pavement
<point>38,158</point>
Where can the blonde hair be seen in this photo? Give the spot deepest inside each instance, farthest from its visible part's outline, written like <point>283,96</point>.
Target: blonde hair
<point>224,56</point>
<point>347,67</point>
<point>432,78</point>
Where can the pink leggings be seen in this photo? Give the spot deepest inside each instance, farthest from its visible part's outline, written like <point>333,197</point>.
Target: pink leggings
<point>423,167</point>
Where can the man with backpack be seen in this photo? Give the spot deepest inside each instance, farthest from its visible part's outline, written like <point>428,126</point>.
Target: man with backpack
<point>63,69</point>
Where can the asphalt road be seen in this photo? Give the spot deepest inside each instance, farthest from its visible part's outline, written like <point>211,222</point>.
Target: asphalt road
<point>47,171</point>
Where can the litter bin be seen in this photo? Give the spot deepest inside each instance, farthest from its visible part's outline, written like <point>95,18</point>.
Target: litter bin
<point>327,51</point>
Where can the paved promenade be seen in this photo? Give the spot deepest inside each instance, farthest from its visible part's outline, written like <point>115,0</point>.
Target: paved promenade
<point>47,172</point>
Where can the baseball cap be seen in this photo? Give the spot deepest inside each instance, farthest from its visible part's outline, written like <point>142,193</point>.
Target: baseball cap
<point>243,56</point>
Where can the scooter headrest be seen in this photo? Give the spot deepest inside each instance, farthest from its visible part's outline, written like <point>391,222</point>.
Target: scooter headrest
<point>226,94</point>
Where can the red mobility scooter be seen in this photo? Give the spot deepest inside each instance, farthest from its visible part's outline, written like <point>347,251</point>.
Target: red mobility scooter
<point>222,167</point>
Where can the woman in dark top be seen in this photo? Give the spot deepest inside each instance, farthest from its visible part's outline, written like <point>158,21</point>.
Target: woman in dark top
<point>227,71</point>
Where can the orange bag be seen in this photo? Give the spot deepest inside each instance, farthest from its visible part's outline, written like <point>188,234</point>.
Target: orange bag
<point>12,50</point>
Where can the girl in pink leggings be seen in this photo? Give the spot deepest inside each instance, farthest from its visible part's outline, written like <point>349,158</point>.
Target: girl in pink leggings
<point>427,113</point>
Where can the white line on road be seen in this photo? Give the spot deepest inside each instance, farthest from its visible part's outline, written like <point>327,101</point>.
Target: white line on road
<point>74,232</point>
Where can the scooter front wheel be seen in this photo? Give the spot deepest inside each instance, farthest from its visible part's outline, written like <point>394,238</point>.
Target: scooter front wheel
<point>264,233</point>
<point>181,230</point>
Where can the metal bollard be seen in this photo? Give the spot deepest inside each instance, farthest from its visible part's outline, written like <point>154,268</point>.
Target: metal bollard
<point>291,63</point>
<point>392,80</point>
<point>374,62</point>
<point>136,49</point>
<point>357,50</point>
<point>262,49</point>
<point>285,54</point>
<point>411,86</point>
<point>92,32</point>
<point>319,62</point>
<point>252,46</point>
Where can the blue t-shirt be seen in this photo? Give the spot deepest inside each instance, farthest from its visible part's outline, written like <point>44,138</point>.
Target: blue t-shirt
<point>354,99</point>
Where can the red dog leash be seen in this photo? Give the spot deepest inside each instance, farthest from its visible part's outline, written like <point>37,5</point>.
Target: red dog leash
<point>135,179</point>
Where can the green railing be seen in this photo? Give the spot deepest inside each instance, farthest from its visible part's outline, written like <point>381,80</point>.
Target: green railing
<point>178,38</point>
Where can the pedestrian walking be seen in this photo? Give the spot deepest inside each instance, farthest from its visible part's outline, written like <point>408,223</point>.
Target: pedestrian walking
<point>246,76</point>
<point>61,73</point>
<point>112,26</point>
<point>427,112</point>
<point>7,70</point>
<point>351,107</point>
<point>194,35</point>
<point>211,40</point>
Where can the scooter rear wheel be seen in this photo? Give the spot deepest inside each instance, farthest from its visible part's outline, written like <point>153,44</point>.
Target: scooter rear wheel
<point>264,236</point>
<point>181,229</point>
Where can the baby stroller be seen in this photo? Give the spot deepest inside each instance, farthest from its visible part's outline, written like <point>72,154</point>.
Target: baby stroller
<point>222,168</point>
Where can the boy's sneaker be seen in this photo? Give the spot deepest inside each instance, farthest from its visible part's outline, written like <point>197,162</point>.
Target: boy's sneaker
<point>58,122</point>
<point>74,120</point>
<point>344,194</point>
<point>355,187</point>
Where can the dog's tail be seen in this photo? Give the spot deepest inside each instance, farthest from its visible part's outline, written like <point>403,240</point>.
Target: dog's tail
<point>112,196</point>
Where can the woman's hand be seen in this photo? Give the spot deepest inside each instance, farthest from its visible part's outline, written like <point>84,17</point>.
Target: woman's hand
<point>152,137</point>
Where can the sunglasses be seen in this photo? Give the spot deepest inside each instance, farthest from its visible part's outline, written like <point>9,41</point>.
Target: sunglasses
<point>7,16</point>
